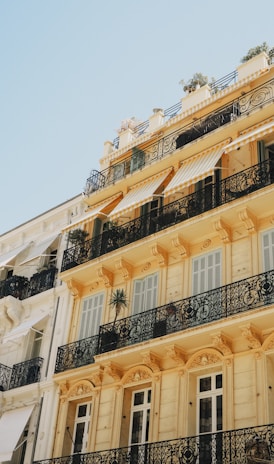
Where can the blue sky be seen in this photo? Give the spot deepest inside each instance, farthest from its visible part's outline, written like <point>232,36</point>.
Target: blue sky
<point>72,70</point>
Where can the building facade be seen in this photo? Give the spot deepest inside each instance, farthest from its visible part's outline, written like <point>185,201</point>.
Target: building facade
<point>180,220</point>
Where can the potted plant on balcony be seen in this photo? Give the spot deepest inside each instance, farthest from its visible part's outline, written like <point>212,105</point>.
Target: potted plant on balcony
<point>77,236</point>
<point>118,301</point>
<point>197,81</point>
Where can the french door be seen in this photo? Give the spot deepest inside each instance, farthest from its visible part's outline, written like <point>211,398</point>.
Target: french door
<point>81,428</point>
<point>139,425</point>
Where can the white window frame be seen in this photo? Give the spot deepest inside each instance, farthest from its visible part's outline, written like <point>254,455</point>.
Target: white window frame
<point>82,420</point>
<point>91,315</point>
<point>145,293</point>
<point>145,407</point>
<point>207,272</point>
<point>213,393</point>
<point>268,250</point>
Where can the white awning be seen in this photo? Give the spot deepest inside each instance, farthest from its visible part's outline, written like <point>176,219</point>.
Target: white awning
<point>11,255</point>
<point>251,136</point>
<point>139,194</point>
<point>12,424</point>
<point>95,211</point>
<point>23,329</point>
<point>37,250</point>
<point>193,170</point>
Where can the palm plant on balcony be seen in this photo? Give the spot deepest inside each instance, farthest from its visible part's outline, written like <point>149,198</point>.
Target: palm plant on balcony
<point>118,301</point>
<point>197,81</point>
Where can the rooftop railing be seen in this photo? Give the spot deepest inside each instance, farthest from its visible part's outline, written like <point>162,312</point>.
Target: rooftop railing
<point>225,191</point>
<point>220,303</point>
<point>250,445</point>
<point>166,145</point>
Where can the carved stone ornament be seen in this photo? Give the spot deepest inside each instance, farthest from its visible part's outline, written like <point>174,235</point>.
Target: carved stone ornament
<point>268,344</point>
<point>151,361</point>
<point>222,343</point>
<point>252,336</point>
<point>249,220</point>
<point>11,310</point>
<point>181,246</point>
<point>176,355</point>
<point>124,267</point>
<point>106,275</point>
<point>160,253</point>
<point>113,371</point>
<point>223,230</point>
<point>74,288</point>
<point>82,388</point>
<point>204,358</point>
<point>137,375</point>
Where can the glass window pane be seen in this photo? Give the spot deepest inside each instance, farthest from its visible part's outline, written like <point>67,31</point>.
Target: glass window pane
<point>205,384</point>
<point>147,424</point>
<point>78,440</point>
<point>136,434</point>
<point>219,406</point>
<point>149,396</point>
<point>82,410</point>
<point>138,398</point>
<point>219,381</point>
<point>205,415</point>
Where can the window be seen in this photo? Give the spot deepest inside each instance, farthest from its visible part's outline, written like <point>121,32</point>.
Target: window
<point>268,250</point>
<point>137,159</point>
<point>140,417</point>
<point>210,417</point>
<point>81,428</point>
<point>92,309</point>
<point>145,293</point>
<point>206,272</point>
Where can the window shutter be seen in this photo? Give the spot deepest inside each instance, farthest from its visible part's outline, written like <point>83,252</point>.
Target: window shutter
<point>206,273</point>
<point>138,296</point>
<point>151,291</point>
<point>91,316</point>
<point>145,293</point>
<point>268,250</point>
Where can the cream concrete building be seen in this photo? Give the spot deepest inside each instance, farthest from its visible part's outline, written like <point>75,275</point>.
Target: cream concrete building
<point>181,218</point>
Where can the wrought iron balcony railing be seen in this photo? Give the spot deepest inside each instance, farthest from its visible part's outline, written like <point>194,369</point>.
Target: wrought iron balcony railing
<point>25,373</point>
<point>249,445</point>
<point>5,375</point>
<point>210,306</point>
<point>21,287</point>
<point>216,304</point>
<point>76,354</point>
<point>236,186</point>
<point>166,145</point>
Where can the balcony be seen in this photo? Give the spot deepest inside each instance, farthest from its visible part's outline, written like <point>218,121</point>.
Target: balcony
<point>76,354</point>
<point>166,145</point>
<point>21,287</point>
<point>25,373</point>
<point>5,374</point>
<point>247,445</point>
<point>238,297</point>
<point>212,196</point>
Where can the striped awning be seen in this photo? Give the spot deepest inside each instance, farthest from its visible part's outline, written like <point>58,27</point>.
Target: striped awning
<point>193,170</point>
<point>95,211</point>
<point>39,249</point>
<point>251,136</point>
<point>9,257</point>
<point>139,194</point>
<point>12,424</point>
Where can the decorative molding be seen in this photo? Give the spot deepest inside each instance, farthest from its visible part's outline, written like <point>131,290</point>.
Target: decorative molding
<point>222,343</point>
<point>252,336</point>
<point>181,246</point>
<point>177,355</point>
<point>146,267</point>
<point>96,377</point>
<point>137,375</point>
<point>106,275</point>
<point>81,388</point>
<point>160,253</point>
<point>113,371</point>
<point>150,360</point>
<point>74,288</point>
<point>125,267</point>
<point>269,342</point>
<point>204,358</point>
<point>249,220</point>
<point>223,229</point>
